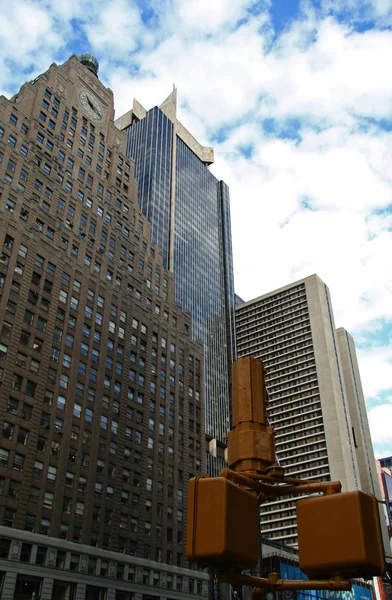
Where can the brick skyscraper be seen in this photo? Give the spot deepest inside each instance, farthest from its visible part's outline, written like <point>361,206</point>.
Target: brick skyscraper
<point>101,394</point>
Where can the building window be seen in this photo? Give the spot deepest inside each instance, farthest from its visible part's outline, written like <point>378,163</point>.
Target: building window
<point>48,499</point>
<point>77,410</point>
<point>69,479</point>
<point>13,488</point>
<point>41,324</point>
<point>44,526</point>
<point>23,436</point>
<point>9,515</point>
<point>18,462</point>
<point>4,454</point>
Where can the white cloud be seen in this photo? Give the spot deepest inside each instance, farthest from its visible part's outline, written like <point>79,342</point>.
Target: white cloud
<point>28,39</point>
<point>375,365</point>
<point>340,72</point>
<point>204,71</point>
<point>117,28</point>
<point>36,33</point>
<point>379,11</point>
<point>340,174</point>
<point>206,16</point>
<point>380,419</point>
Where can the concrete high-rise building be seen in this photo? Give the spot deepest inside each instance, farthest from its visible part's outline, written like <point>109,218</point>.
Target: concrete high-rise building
<point>316,401</point>
<point>101,385</point>
<point>359,422</point>
<point>189,212</point>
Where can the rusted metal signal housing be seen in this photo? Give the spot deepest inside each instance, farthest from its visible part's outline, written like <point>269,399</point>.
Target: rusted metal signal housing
<point>222,528</point>
<point>340,533</point>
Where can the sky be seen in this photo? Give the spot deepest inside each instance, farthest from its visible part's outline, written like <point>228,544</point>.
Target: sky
<point>296,98</point>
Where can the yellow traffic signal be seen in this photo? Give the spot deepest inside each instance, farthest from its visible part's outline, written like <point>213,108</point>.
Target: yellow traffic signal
<point>222,528</point>
<point>340,533</point>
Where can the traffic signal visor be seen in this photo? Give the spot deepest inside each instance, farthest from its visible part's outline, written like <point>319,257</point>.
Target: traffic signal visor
<point>340,533</point>
<point>223,522</point>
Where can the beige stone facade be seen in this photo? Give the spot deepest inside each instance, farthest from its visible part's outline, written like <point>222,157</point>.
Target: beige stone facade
<point>318,414</point>
<point>359,422</point>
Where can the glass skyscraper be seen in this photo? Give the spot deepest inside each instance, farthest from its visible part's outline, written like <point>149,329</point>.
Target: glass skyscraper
<point>189,212</point>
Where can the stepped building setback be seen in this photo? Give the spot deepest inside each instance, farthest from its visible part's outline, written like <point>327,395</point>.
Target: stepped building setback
<point>101,385</point>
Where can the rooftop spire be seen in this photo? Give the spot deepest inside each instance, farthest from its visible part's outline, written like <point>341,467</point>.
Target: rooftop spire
<point>89,61</point>
<point>169,106</point>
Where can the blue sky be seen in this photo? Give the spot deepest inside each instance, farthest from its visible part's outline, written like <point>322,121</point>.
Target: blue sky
<point>296,97</point>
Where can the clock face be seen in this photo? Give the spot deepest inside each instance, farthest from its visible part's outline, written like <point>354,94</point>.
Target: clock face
<point>91,105</point>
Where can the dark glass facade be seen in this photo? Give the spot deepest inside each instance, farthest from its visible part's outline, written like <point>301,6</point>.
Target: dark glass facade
<point>189,213</point>
<point>150,145</point>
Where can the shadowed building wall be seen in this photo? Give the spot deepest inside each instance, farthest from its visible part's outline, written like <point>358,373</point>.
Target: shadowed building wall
<point>101,393</point>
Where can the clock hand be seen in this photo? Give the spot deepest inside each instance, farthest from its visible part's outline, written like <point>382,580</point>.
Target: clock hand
<point>95,107</point>
<point>91,104</point>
